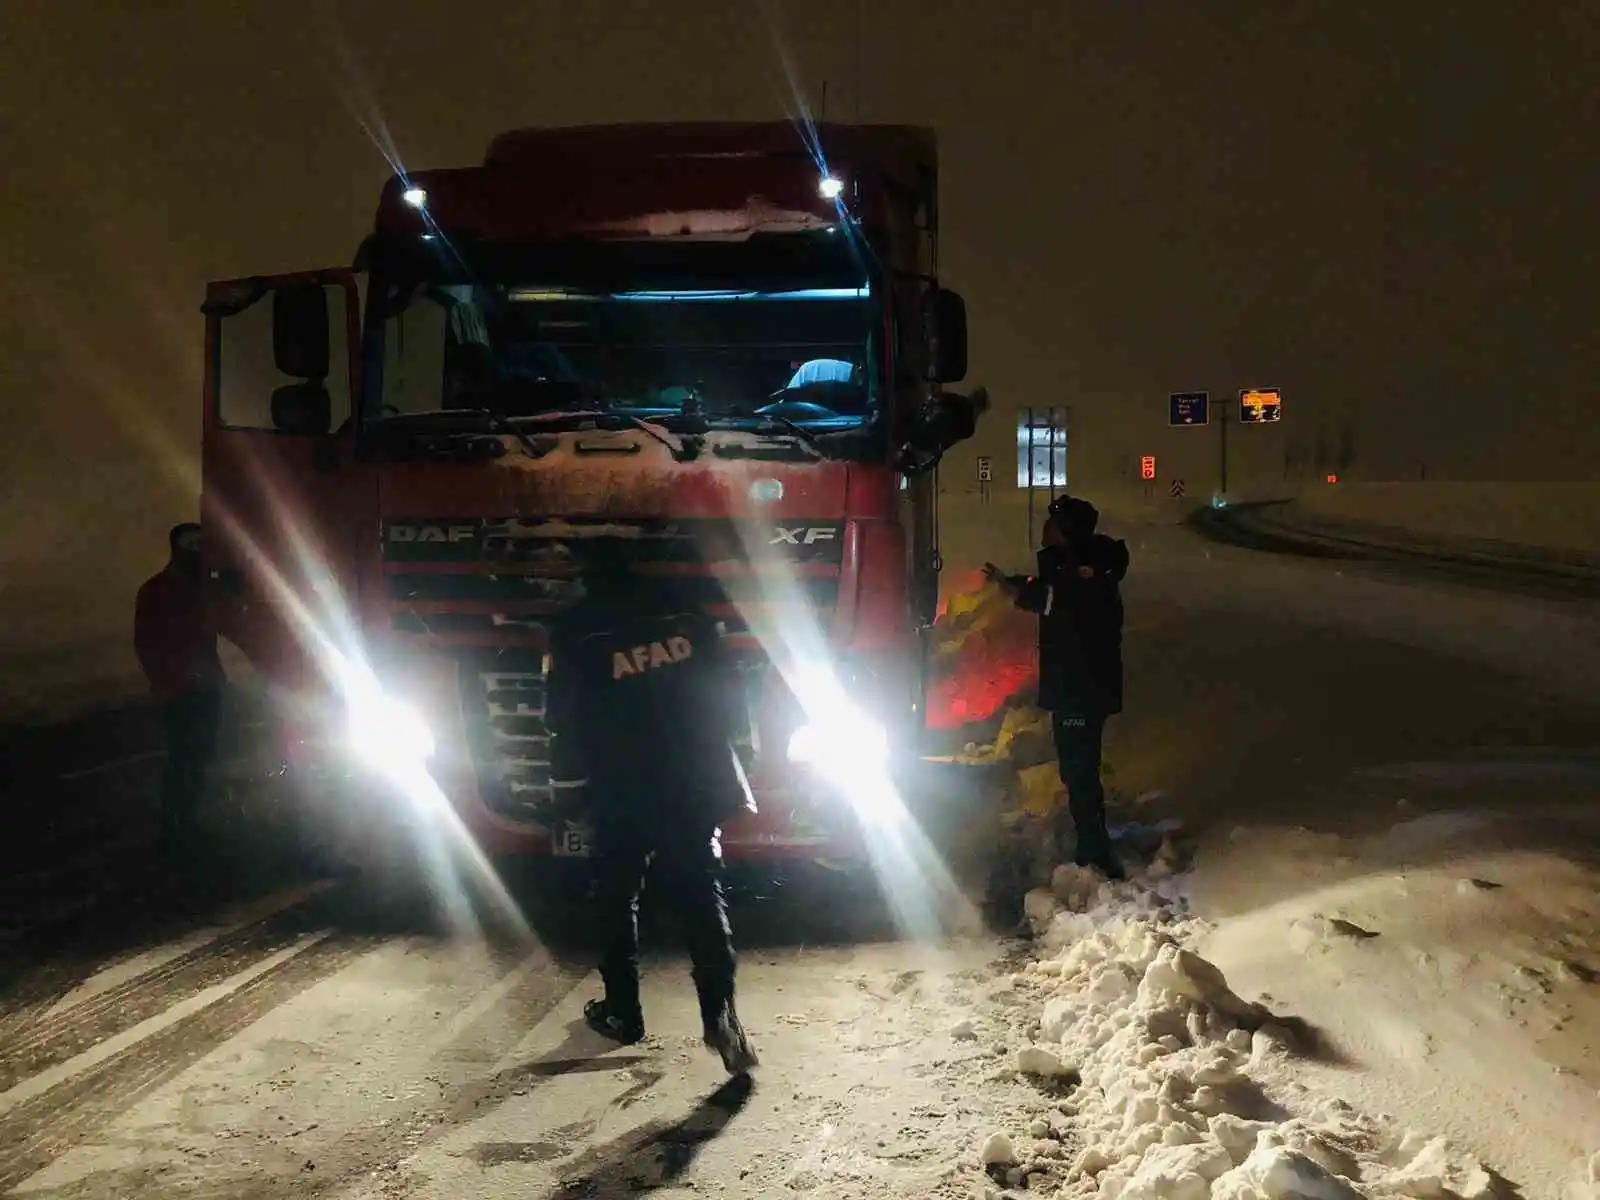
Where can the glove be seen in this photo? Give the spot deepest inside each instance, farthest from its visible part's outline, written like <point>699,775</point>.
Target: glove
<point>1000,579</point>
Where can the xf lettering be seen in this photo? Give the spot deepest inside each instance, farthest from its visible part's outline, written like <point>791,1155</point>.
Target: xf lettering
<point>801,536</point>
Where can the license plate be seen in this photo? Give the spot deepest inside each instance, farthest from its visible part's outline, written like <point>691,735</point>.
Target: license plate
<point>571,841</point>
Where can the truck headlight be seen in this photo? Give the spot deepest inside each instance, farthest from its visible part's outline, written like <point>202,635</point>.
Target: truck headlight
<point>383,732</point>
<point>851,747</point>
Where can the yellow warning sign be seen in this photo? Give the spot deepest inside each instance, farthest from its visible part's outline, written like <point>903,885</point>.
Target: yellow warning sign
<point>1258,406</point>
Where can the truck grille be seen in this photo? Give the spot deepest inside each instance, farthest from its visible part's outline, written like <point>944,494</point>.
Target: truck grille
<point>484,592</point>
<point>545,543</point>
<point>484,583</point>
<point>503,697</point>
<point>503,719</point>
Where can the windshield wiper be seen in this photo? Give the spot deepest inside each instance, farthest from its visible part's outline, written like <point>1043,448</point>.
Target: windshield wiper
<point>602,416</point>
<point>557,415</point>
<point>803,435</point>
<point>500,424</point>
<point>494,420</point>
<point>673,444</point>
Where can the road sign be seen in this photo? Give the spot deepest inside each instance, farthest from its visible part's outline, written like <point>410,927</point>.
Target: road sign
<point>985,469</point>
<point>1176,490</point>
<point>1190,408</point>
<point>1147,467</point>
<point>1260,406</point>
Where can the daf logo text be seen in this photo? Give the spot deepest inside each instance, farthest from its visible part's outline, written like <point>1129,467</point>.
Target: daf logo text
<point>432,533</point>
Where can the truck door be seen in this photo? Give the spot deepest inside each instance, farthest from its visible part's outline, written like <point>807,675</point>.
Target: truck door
<point>285,507</point>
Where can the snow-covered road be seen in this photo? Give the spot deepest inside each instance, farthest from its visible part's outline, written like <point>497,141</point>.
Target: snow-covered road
<point>1375,928</point>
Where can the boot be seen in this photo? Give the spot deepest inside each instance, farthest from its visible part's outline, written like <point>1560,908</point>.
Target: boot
<point>625,1030</point>
<point>1094,850</point>
<point>727,1037</point>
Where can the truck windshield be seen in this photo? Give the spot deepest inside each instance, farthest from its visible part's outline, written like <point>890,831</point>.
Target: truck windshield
<point>804,355</point>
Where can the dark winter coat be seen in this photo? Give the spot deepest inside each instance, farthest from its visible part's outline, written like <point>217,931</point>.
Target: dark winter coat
<point>1078,596</point>
<point>174,644</point>
<point>644,697</point>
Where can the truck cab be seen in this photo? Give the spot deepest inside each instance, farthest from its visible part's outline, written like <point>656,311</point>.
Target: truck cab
<point>723,345</point>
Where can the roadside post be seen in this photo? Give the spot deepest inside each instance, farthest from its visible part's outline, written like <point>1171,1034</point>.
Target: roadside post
<point>1257,406</point>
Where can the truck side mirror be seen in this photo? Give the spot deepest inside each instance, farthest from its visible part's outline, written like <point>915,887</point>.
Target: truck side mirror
<point>962,413</point>
<point>945,319</point>
<point>302,409</point>
<point>300,331</point>
<point>951,418</point>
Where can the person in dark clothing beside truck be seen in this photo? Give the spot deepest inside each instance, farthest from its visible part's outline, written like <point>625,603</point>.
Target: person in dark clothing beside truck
<point>641,691</point>
<point>1076,591</point>
<point>177,650</point>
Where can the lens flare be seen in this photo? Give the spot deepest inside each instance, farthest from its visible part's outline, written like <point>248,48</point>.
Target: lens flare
<point>289,567</point>
<point>384,732</point>
<point>845,754</point>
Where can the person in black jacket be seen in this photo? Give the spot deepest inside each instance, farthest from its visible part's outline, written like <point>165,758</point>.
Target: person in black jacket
<point>642,690</point>
<point>1077,594</point>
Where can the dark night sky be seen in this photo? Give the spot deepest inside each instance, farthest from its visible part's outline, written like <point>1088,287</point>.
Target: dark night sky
<point>1385,208</point>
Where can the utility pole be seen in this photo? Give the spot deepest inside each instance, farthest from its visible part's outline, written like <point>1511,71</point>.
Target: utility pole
<point>1030,477</point>
<point>1052,453</point>
<point>1222,458</point>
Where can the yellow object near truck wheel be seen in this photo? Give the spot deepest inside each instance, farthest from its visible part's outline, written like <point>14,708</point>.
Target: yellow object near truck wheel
<point>1038,790</point>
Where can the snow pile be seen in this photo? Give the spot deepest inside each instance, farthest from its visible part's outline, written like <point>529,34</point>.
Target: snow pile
<point>1185,1090</point>
<point>1585,1184</point>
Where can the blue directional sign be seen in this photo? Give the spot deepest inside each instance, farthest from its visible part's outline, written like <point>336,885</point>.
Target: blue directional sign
<point>1190,408</point>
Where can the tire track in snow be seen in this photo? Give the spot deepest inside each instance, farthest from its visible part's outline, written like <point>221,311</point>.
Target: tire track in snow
<point>41,1128</point>
<point>483,1031</point>
<point>52,1038</point>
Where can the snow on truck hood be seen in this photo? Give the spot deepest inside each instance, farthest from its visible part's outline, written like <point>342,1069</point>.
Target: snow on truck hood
<point>627,477</point>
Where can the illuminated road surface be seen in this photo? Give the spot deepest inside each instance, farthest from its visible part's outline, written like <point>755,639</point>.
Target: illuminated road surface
<point>289,1045</point>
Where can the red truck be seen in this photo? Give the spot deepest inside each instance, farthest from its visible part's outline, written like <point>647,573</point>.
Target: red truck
<point>724,343</point>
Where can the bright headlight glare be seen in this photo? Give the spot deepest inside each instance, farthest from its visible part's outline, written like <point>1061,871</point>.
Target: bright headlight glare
<point>414,196</point>
<point>386,733</point>
<point>843,748</point>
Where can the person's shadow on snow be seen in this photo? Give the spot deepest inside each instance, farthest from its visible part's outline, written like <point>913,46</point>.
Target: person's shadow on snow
<point>655,1154</point>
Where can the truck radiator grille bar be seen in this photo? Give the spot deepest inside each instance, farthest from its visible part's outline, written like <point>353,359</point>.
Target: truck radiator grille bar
<point>503,717</point>
<point>503,697</point>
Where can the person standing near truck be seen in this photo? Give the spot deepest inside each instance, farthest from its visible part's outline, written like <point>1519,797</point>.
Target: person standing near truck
<point>1076,592</point>
<point>177,650</point>
<point>641,689</point>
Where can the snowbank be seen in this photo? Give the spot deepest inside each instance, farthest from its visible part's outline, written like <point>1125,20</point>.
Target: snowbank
<point>1450,951</point>
<point>1563,517</point>
<point>1184,1090</point>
